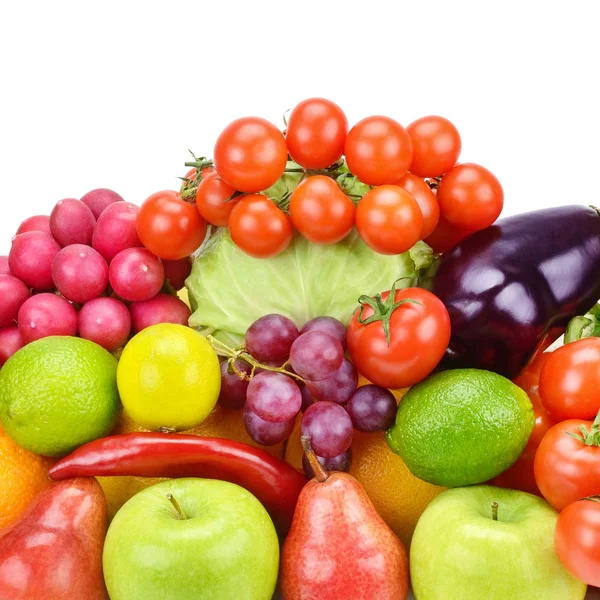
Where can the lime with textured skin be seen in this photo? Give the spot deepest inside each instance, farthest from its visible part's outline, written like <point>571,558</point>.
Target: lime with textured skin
<point>58,393</point>
<point>461,427</point>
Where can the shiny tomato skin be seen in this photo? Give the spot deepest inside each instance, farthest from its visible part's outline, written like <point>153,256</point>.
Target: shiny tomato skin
<point>421,192</point>
<point>419,337</point>
<point>212,200</point>
<point>378,150</point>
<point>258,227</point>
<point>316,132</point>
<point>169,227</point>
<point>250,154</point>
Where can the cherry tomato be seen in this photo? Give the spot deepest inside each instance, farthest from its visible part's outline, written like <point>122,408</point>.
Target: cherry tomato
<point>169,227</point>
<point>436,146</point>
<point>316,132</point>
<point>570,380</point>
<point>421,192</point>
<point>419,333</point>
<point>258,227</point>
<point>250,154</point>
<point>378,150</point>
<point>389,220</point>
<point>577,540</point>
<point>470,197</point>
<point>320,211</point>
<point>445,236</point>
<point>212,200</point>
<point>567,467</point>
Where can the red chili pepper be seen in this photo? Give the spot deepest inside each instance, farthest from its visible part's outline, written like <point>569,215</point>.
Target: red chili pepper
<point>272,480</point>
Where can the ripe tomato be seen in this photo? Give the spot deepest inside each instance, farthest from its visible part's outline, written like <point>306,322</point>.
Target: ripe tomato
<point>378,150</point>
<point>577,540</point>
<point>389,220</point>
<point>250,154</point>
<point>570,381</point>
<point>421,192</point>
<point>419,333</point>
<point>320,211</point>
<point>436,146</point>
<point>169,227</point>
<point>567,467</point>
<point>316,132</point>
<point>212,200</point>
<point>258,227</point>
<point>445,236</point>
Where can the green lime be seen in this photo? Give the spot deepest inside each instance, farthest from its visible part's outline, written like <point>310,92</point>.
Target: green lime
<point>461,427</point>
<point>58,393</point>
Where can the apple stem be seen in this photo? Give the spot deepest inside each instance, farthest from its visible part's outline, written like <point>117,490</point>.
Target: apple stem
<point>317,468</point>
<point>495,511</point>
<point>177,506</point>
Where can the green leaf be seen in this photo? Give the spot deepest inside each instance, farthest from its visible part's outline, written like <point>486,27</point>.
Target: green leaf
<point>584,326</point>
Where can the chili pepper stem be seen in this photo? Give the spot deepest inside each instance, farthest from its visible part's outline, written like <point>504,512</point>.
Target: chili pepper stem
<point>320,474</point>
<point>177,506</point>
<point>495,511</point>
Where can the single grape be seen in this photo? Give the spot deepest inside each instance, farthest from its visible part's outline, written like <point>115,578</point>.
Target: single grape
<point>339,387</point>
<point>274,397</point>
<point>341,462</point>
<point>106,322</point>
<point>4,268</point>
<point>270,338</point>
<point>328,325</point>
<point>43,315</point>
<point>11,340</point>
<point>135,274</point>
<point>35,223</point>
<point>177,271</point>
<point>13,292</point>
<point>316,355</point>
<point>31,257</point>
<point>266,433</point>
<point>372,408</point>
<point>80,273</point>
<point>329,427</point>
<point>163,308</point>
<point>72,222</point>
<point>98,200</point>
<point>233,387</point>
<point>116,230</point>
<point>307,397</point>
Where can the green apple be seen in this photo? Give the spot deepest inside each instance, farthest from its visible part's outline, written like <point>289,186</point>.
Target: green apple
<point>460,551</point>
<point>191,539</point>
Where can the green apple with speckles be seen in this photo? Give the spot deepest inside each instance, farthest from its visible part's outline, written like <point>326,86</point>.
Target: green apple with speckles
<point>487,542</point>
<point>191,539</point>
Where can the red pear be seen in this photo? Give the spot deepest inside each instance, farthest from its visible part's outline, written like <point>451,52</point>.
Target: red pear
<point>54,552</point>
<point>338,546</point>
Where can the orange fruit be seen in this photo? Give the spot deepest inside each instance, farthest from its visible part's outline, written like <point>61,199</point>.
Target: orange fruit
<point>22,476</point>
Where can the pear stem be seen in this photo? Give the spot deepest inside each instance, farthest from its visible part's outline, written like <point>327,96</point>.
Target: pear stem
<point>177,506</point>
<point>321,474</point>
<point>495,511</point>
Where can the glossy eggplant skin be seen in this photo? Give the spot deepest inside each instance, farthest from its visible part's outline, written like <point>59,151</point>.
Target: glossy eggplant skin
<point>513,287</point>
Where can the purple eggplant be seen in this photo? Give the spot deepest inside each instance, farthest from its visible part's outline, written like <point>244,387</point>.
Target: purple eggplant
<point>512,288</point>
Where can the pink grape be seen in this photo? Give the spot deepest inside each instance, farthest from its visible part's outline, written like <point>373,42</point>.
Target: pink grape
<point>328,325</point>
<point>80,273</point>
<point>270,338</point>
<point>135,274</point>
<point>177,271</point>
<point>163,308</point>
<point>98,200</point>
<point>106,322</point>
<point>4,268</point>
<point>31,257</point>
<point>339,387</point>
<point>372,408</point>
<point>44,315</point>
<point>116,230</point>
<point>72,222</point>
<point>35,223</point>
<point>274,397</point>
<point>233,387</point>
<point>13,292</point>
<point>341,462</point>
<point>307,397</point>
<point>11,340</point>
<point>315,355</point>
<point>329,427</point>
<point>265,432</point>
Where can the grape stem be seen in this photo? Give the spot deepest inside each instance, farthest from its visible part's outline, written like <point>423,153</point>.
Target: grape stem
<point>321,474</point>
<point>234,354</point>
